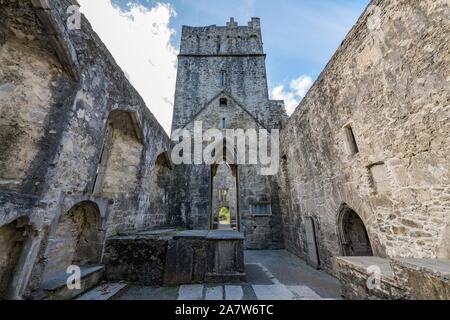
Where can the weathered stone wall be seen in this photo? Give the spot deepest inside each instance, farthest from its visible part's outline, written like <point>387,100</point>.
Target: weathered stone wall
<point>58,88</point>
<point>375,278</point>
<point>171,258</point>
<point>391,87</point>
<point>33,89</point>
<point>12,237</point>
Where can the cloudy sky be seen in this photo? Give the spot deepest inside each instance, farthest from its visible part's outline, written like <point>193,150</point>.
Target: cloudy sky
<point>300,36</point>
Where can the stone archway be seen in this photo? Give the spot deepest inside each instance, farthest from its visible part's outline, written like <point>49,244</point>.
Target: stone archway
<point>12,239</point>
<point>76,241</point>
<point>224,189</point>
<point>353,234</point>
<point>224,202</point>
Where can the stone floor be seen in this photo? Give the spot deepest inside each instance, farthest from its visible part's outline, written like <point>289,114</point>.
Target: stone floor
<point>271,275</point>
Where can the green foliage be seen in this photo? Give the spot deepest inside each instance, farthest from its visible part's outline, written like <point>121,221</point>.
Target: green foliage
<point>224,216</point>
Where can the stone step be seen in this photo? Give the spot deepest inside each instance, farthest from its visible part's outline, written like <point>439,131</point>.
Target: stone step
<point>104,292</point>
<point>55,286</point>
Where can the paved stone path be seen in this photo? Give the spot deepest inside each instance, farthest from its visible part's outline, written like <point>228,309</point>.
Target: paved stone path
<point>271,275</point>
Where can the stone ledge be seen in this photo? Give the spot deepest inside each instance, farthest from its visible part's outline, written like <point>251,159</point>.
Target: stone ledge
<point>191,234</point>
<point>416,279</point>
<point>424,279</point>
<point>225,235</point>
<point>55,287</point>
<point>354,275</point>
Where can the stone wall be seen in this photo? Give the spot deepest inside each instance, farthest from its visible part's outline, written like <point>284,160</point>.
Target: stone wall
<point>372,134</point>
<point>58,88</point>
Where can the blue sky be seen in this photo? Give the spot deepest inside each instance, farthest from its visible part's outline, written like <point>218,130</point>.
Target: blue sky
<point>300,36</point>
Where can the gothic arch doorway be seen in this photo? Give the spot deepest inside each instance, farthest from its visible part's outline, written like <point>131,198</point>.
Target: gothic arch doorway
<point>353,234</point>
<point>225,197</point>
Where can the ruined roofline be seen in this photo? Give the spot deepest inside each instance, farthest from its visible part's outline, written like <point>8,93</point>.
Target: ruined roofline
<point>222,55</point>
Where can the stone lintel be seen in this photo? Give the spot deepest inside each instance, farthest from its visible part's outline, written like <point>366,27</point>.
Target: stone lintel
<point>225,235</point>
<point>191,234</point>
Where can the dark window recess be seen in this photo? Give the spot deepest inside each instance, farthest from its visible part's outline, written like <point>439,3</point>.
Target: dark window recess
<point>223,102</point>
<point>351,141</point>
<point>218,44</point>
<point>223,123</point>
<point>223,78</point>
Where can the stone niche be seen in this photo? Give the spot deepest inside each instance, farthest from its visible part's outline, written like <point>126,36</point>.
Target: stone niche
<point>170,257</point>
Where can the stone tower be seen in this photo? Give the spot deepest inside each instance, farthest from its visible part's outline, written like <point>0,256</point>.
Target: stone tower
<point>222,82</point>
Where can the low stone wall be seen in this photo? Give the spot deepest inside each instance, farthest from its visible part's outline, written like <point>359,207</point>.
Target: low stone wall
<point>137,258</point>
<point>168,257</point>
<point>424,279</point>
<point>355,274</point>
<point>401,279</point>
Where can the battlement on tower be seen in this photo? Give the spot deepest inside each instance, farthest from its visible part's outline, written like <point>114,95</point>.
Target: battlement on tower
<point>231,39</point>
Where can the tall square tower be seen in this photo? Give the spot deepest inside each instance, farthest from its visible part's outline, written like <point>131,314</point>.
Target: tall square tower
<point>222,83</point>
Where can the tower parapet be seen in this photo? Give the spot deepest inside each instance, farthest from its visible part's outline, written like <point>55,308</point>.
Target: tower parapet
<point>231,39</point>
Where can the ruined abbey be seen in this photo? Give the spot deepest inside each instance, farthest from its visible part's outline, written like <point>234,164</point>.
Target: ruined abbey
<point>88,176</point>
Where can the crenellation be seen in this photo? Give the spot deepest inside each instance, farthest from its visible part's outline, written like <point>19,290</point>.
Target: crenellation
<point>229,40</point>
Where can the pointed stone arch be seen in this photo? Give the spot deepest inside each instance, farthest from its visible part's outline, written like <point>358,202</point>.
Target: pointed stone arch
<point>352,232</point>
<point>224,177</point>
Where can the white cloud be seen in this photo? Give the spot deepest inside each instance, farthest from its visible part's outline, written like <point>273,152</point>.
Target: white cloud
<point>298,88</point>
<point>139,39</point>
